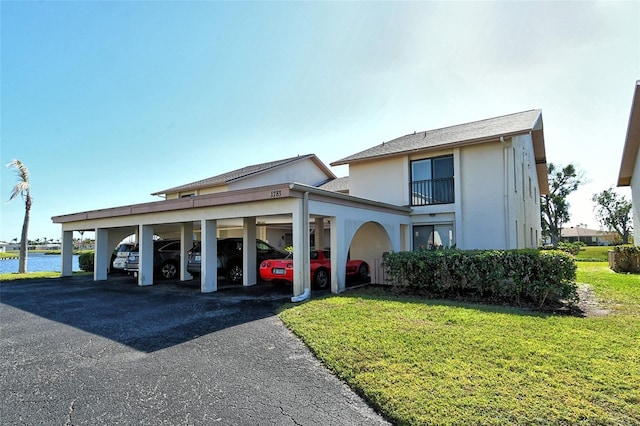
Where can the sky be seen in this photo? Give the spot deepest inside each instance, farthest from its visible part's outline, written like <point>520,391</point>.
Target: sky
<point>107,102</point>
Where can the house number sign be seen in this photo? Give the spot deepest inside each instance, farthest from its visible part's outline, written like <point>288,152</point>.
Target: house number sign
<point>276,194</point>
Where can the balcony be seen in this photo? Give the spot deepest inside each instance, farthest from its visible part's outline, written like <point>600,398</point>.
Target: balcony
<point>432,191</point>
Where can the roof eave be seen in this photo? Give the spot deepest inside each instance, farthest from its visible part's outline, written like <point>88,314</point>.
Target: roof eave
<point>457,144</point>
<point>632,142</point>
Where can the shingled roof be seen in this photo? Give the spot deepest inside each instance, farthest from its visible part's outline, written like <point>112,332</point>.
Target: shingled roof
<point>238,174</point>
<point>463,134</point>
<point>337,185</point>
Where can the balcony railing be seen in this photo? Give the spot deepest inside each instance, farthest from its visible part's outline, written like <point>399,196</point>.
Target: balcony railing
<point>432,191</point>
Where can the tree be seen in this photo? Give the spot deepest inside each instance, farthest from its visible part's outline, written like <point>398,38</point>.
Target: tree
<point>613,211</point>
<point>554,208</point>
<point>22,188</point>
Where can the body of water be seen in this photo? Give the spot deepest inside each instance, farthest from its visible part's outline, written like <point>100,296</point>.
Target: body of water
<point>37,262</point>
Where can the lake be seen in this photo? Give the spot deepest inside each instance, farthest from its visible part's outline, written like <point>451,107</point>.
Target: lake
<point>37,262</point>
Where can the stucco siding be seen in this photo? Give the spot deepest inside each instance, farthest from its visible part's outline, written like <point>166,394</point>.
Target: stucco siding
<point>385,180</point>
<point>305,172</point>
<point>526,203</point>
<point>482,204</point>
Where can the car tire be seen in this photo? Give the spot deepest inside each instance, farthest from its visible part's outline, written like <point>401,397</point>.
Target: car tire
<point>234,273</point>
<point>321,279</point>
<point>168,270</point>
<point>363,271</point>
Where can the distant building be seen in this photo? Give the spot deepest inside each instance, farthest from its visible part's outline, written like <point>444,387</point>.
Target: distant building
<point>590,237</point>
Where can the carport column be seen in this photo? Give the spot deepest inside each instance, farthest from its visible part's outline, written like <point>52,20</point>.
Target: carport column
<point>186,242</point>
<point>102,255</point>
<point>67,253</point>
<point>319,227</point>
<point>209,256</point>
<point>301,267</point>
<point>338,255</point>
<point>249,255</point>
<point>145,261</point>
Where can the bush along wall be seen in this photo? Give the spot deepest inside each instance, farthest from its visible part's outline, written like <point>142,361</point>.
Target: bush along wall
<point>517,277</point>
<point>85,261</point>
<point>626,258</point>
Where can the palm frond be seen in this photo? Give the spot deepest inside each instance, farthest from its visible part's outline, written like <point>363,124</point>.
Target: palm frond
<point>23,186</point>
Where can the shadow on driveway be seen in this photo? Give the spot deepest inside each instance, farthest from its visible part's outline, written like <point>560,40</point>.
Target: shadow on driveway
<point>145,318</point>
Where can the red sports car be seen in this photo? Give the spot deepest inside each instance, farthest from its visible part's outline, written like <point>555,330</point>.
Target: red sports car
<point>281,270</point>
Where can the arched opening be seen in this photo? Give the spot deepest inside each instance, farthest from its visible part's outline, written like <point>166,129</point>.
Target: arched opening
<point>369,243</point>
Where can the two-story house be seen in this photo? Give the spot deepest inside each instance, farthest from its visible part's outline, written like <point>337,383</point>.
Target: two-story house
<point>473,186</point>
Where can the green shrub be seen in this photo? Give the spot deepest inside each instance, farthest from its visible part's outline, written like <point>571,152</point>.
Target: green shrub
<point>572,248</point>
<point>86,261</point>
<point>626,258</point>
<point>515,276</point>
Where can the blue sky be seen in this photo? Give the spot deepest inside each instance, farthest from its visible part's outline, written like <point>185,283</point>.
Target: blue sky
<point>107,102</point>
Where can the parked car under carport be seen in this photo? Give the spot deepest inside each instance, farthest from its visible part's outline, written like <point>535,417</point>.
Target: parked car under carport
<point>229,258</point>
<point>166,259</point>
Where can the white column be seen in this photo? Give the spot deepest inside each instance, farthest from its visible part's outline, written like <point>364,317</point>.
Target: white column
<point>67,253</point>
<point>102,255</point>
<point>249,253</point>
<point>209,256</point>
<point>301,247</point>
<point>145,261</point>
<point>338,255</point>
<point>319,240</point>
<point>186,242</point>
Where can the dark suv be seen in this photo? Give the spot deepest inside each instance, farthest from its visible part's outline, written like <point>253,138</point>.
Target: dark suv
<point>230,257</point>
<point>166,258</point>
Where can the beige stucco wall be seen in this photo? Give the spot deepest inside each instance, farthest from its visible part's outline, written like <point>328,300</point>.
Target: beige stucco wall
<point>482,190</point>
<point>385,180</point>
<point>305,172</point>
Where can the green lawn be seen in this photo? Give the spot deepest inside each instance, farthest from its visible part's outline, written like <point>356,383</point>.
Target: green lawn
<point>440,362</point>
<point>35,275</point>
<point>593,253</point>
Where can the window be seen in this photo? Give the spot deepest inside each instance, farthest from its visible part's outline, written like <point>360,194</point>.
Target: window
<point>428,237</point>
<point>432,181</point>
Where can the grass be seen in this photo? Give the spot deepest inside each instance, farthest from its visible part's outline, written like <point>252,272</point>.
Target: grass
<point>35,275</point>
<point>439,362</point>
<point>594,253</point>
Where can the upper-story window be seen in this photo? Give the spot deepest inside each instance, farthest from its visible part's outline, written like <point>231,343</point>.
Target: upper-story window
<point>432,181</point>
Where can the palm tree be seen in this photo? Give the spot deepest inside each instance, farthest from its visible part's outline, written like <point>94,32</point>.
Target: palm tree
<point>23,188</point>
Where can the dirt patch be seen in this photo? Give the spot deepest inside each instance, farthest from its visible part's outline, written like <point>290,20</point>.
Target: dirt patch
<point>589,305</point>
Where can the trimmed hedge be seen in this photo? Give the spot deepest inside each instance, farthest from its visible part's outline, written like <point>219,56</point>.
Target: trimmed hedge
<point>626,258</point>
<point>517,277</point>
<point>85,261</point>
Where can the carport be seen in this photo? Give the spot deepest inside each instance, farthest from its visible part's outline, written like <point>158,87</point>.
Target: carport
<point>363,228</point>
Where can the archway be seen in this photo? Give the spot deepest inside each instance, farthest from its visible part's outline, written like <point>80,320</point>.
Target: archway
<point>369,243</point>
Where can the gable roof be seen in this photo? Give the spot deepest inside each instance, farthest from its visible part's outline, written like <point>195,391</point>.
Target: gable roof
<point>244,172</point>
<point>462,134</point>
<point>488,130</point>
<point>631,145</point>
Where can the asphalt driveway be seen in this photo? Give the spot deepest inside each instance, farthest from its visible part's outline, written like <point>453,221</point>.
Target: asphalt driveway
<point>76,352</point>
